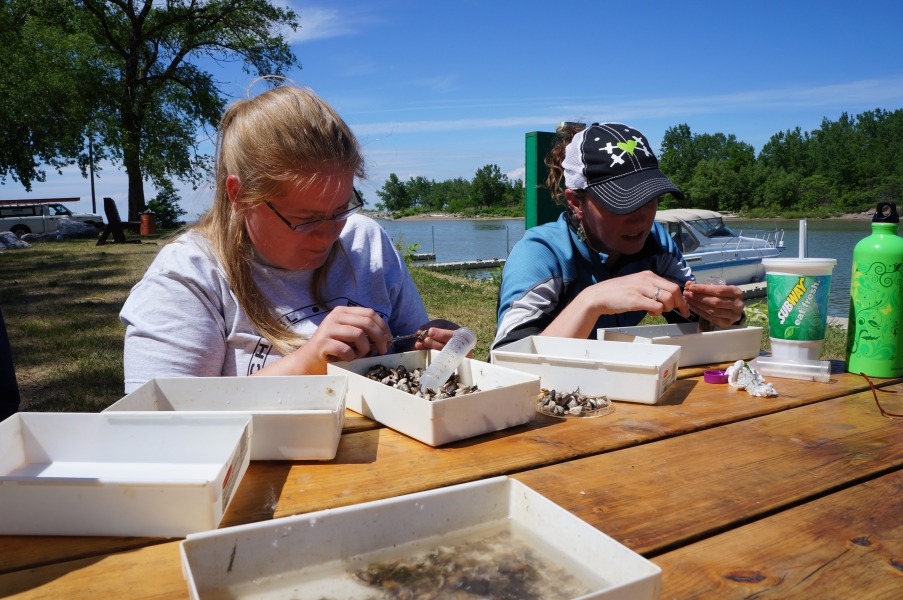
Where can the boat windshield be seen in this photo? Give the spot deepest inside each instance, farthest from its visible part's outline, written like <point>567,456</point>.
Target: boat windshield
<point>713,228</point>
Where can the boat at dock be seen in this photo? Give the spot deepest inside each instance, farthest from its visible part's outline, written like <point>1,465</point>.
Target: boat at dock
<point>713,250</point>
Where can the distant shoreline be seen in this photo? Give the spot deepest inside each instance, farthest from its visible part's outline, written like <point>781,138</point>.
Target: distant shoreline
<point>844,217</point>
<point>437,216</point>
<point>443,216</point>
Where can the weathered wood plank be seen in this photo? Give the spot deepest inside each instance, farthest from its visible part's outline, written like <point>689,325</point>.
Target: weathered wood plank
<point>255,500</point>
<point>153,572</point>
<point>382,463</point>
<point>150,576</point>
<point>688,372</point>
<point>846,545</point>
<point>658,496</point>
<point>355,422</point>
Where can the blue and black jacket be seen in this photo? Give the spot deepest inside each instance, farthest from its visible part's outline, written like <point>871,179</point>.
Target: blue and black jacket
<point>549,267</point>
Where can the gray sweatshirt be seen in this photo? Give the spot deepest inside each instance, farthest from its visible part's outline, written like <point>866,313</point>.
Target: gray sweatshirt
<point>182,319</point>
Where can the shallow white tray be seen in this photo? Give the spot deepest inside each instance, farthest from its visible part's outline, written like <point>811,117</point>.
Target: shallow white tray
<point>506,398</point>
<point>261,558</point>
<point>295,418</point>
<point>119,474</point>
<point>626,372</point>
<point>724,345</point>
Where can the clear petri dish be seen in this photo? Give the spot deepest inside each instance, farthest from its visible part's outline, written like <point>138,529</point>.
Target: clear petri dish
<point>603,410</point>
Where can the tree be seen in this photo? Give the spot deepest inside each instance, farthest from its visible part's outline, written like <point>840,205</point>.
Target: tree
<point>158,95</point>
<point>420,191</point>
<point>165,207</point>
<point>451,194</point>
<point>488,187</point>
<point>49,82</point>
<point>394,194</point>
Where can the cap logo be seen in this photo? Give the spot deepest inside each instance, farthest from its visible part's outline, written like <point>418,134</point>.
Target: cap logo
<point>628,147</point>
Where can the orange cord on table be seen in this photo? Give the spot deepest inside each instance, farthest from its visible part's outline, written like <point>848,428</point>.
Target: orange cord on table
<point>875,391</point>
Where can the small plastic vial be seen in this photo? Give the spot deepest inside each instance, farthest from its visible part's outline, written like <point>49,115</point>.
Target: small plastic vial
<point>704,324</point>
<point>447,361</point>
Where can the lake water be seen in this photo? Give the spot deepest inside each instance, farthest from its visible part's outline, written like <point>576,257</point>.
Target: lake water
<point>471,239</point>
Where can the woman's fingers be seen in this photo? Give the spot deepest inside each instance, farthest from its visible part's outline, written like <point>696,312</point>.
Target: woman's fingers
<point>720,304</point>
<point>653,307</point>
<point>436,339</point>
<point>336,351</point>
<point>359,326</point>
<point>669,295</point>
<point>353,336</point>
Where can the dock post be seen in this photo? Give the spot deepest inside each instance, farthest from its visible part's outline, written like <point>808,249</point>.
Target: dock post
<point>538,204</point>
<point>804,238</point>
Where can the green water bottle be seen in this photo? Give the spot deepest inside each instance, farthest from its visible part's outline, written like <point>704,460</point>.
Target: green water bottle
<point>875,336</point>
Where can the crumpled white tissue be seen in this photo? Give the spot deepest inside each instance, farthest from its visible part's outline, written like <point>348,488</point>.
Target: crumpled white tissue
<point>744,377</point>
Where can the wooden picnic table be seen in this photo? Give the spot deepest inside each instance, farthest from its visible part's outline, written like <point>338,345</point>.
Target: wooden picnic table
<point>733,496</point>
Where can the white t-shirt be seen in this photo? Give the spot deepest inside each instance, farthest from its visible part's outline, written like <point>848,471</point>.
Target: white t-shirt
<point>183,320</point>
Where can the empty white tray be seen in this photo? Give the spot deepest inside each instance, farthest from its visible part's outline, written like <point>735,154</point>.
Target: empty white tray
<point>627,372</point>
<point>724,345</point>
<point>281,557</point>
<point>295,418</point>
<point>118,474</point>
<point>506,398</point>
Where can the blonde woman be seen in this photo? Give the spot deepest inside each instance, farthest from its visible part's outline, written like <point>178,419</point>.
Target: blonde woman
<point>281,275</point>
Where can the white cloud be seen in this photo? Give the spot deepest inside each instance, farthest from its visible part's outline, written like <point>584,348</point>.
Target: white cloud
<point>315,24</point>
<point>516,173</point>
<point>851,96</point>
<point>449,125</point>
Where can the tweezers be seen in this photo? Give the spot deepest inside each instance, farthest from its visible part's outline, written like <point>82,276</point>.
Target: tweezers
<point>402,338</point>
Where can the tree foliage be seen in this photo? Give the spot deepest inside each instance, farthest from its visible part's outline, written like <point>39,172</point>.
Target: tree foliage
<point>165,207</point>
<point>150,93</point>
<point>490,189</point>
<point>844,165</point>
<point>50,82</point>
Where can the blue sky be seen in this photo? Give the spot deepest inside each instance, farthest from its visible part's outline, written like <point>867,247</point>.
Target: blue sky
<point>441,89</point>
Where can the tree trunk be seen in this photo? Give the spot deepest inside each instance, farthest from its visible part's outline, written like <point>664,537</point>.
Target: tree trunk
<point>136,188</point>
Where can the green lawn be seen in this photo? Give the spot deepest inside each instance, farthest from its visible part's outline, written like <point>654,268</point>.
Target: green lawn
<point>61,304</point>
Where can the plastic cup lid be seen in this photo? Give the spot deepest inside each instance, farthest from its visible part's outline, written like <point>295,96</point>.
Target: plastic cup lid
<point>715,376</point>
<point>798,262</point>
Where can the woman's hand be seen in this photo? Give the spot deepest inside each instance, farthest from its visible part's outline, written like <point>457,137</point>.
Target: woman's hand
<point>639,291</point>
<point>720,304</point>
<point>344,335</point>
<point>436,339</point>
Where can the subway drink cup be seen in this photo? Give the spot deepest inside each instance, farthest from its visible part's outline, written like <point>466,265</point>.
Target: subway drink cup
<point>798,305</point>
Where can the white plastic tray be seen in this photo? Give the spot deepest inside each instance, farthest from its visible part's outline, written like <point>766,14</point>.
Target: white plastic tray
<point>228,562</point>
<point>506,398</point>
<point>295,418</point>
<point>626,372</point>
<point>725,345</point>
<point>118,474</point>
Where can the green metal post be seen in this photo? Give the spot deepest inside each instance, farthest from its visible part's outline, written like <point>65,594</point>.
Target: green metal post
<point>539,205</point>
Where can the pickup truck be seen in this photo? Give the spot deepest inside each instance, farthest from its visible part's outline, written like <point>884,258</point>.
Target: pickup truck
<point>40,218</point>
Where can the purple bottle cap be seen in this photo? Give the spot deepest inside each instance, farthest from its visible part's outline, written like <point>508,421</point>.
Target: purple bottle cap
<point>715,376</point>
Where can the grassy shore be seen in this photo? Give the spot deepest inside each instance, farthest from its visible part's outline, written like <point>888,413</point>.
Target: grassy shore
<point>61,304</point>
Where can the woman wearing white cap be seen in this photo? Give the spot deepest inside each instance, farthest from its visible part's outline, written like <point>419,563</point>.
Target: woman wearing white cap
<point>604,262</point>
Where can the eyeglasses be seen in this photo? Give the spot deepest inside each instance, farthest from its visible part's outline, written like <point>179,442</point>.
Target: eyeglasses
<point>354,205</point>
<point>875,391</point>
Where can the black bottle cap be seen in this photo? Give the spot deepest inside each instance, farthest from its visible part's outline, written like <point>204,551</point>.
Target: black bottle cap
<point>886,213</point>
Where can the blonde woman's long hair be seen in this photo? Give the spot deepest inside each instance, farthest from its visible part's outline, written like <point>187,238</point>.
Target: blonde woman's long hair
<point>287,135</point>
